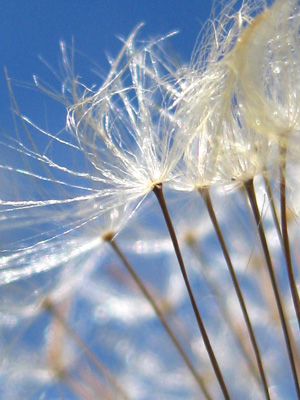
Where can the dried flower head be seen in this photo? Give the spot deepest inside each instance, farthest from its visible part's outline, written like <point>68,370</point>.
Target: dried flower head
<point>126,129</point>
<point>224,148</point>
<point>265,62</point>
<point>118,145</point>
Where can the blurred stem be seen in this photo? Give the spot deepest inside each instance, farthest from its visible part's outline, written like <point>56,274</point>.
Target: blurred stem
<point>224,311</point>
<point>207,200</point>
<point>285,235</point>
<point>158,191</point>
<point>159,314</point>
<point>249,186</point>
<point>49,306</point>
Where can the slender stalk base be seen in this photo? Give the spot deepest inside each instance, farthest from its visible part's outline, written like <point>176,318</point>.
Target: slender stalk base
<point>207,200</point>
<point>158,191</point>
<point>159,314</point>
<point>249,186</point>
<point>285,237</point>
<point>273,209</point>
<point>226,313</point>
<point>49,306</point>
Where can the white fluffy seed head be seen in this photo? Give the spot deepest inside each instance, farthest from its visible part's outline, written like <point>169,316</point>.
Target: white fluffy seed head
<point>266,64</point>
<point>119,144</point>
<point>125,128</point>
<point>215,110</point>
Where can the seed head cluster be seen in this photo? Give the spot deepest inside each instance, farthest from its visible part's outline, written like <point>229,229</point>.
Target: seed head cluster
<point>93,304</point>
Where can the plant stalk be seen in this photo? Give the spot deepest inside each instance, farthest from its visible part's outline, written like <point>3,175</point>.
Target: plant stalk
<point>158,191</point>
<point>249,186</point>
<point>207,200</point>
<point>49,306</point>
<point>285,236</point>
<point>160,315</point>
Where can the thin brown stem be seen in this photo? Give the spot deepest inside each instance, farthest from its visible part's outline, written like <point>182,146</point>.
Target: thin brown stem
<point>249,186</point>
<point>49,306</point>
<point>158,191</point>
<point>273,209</point>
<point>160,316</point>
<point>225,312</point>
<point>207,200</point>
<point>285,236</point>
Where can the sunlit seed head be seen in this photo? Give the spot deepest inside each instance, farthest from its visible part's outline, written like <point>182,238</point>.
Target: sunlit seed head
<point>119,144</point>
<point>126,127</point>
<point>222,148</point>
<point>265,62</point>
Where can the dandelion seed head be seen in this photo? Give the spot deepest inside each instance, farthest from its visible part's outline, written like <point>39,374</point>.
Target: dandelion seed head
<point>224,148</point>
<point>125,128</point>
<point>265,62</point>
<point>119,144</point>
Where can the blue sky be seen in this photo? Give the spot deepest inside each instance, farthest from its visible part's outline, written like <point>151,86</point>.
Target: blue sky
<point>34,28</point>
